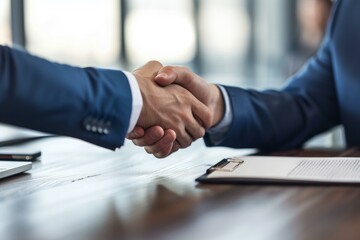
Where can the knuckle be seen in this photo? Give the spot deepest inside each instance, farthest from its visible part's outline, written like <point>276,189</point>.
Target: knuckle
<point>185,117</point>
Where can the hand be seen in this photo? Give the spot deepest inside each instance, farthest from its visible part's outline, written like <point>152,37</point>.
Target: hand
<point>207,93</point>
<point>171,107</point>
<point>156,140</point>
<point>161,143</point>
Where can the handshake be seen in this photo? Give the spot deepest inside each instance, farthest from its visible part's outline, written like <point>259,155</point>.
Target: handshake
<point>178,107</point>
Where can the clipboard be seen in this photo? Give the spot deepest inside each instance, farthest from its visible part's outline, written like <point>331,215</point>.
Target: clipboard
<point>293,170</point>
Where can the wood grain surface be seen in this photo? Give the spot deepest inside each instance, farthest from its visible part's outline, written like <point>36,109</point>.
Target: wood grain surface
<point>78,191</point>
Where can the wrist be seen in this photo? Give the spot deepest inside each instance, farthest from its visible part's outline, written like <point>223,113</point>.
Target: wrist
<point>137,101</point>
<point>217,105</point>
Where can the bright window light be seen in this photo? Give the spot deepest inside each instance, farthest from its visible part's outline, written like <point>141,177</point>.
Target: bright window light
<point>81,32</point>
<point>5,31</point>
<point>161,30</point>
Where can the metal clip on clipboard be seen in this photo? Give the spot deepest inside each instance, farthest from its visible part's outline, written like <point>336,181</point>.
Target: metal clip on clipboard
<point>226,165</point>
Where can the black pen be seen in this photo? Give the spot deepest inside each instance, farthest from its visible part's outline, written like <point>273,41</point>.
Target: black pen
<point>19,156</point>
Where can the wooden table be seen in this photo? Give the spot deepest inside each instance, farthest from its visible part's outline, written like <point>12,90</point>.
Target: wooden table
<point>78,191</point>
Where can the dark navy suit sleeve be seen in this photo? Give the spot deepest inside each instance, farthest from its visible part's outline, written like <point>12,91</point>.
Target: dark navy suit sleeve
<point>86,103</point>
<point>274,120</point>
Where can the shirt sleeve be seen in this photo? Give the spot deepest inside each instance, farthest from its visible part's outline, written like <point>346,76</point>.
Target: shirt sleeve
<point>137,101</point>
<point>217,133</point>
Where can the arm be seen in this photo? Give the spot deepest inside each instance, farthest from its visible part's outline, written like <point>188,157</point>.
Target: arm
<point>271,120</point>
<point>283,119</point>
<point>91,104</point>
<point>306,106</point>
<point>159,142</point>
<point>267,120</point>
<point>171,107</point>
<point>64,100</point>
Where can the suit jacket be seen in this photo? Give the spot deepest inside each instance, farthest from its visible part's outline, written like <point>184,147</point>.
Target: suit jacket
<point>324,94</point>
<point>87,103</point>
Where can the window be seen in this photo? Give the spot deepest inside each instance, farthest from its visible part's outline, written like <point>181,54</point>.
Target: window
<point>244,42</point>
<point>5,30</point>
<point>224,39</point>
<point>160,29</point>
<point>81,32</point>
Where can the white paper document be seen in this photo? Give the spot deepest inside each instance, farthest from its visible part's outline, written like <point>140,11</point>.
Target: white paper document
<point>286,169</point>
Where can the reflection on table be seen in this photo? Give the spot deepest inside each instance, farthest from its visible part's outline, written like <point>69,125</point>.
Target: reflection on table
<point>79,191</point>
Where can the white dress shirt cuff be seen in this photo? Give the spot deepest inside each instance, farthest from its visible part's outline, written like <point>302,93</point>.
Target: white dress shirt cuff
<point>218,132</point>
<point>137,101</point>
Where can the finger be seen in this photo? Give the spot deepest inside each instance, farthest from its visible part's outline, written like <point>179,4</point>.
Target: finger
<point>137,132</point>
<point>202,113</point>
<point>180,75</point>
<point>194,129</point>
<point>162,147</point>
<point>165,145</point>
<point>185,78</point>
<point>183,138</point>
<point>167,76</point>
<point>175,148</point>
<point>151,136</point>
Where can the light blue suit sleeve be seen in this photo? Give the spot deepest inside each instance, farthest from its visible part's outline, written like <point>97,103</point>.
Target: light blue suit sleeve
<point>86,103</point>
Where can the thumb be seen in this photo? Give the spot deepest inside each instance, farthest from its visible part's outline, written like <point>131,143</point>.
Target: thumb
<point>150,68</point>
<point>185,78</point>
<point>167,76</point>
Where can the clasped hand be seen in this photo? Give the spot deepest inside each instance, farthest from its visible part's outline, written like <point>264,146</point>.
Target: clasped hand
<point>178,107</point>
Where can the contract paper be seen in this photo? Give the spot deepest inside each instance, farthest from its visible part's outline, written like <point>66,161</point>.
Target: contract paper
<point>319,169</point>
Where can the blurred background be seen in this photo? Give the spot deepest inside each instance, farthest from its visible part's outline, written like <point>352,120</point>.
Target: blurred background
<point>247,43</point>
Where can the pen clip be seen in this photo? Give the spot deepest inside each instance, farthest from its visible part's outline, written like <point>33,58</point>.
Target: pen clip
<point>221,166</point>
